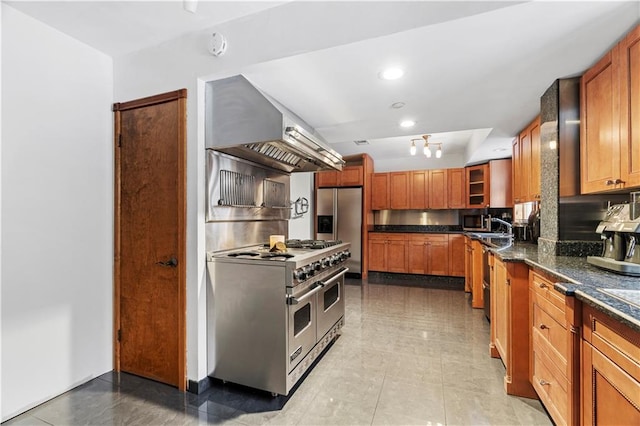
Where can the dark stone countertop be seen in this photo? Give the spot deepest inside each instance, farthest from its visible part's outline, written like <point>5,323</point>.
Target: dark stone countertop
<point>576,277</point>
<point>419,229</point>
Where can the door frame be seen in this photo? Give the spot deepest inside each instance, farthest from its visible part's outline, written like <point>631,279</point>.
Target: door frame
<point>181,97</point>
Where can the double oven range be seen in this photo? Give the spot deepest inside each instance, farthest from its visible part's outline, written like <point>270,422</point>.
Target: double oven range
<point>270,315</point>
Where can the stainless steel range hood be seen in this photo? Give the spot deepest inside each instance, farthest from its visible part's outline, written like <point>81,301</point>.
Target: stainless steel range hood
<point>244,122</point>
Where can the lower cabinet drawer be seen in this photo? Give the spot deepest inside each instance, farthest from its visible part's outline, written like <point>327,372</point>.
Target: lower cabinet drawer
<point>551,386</point>
<point>555,334</point>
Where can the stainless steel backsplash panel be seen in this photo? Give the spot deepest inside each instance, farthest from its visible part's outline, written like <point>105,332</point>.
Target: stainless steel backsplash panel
<point>416,217</point>
<point>241,197</point>
<point>229,235</point>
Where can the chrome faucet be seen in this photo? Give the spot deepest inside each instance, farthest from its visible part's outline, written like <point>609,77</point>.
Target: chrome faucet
<point>504,222</point>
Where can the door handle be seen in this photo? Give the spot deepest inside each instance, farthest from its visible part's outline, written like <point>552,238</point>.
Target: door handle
<point>172,263</point>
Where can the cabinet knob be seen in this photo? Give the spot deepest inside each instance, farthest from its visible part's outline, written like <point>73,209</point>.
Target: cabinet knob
<point>543,285</point>
<point>542,327</point>
<point>543,382</point>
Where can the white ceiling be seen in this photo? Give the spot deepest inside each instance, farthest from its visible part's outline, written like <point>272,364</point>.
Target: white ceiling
<point>474,71</point>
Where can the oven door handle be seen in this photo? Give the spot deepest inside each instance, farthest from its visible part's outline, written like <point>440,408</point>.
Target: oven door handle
<point>295,300</point>
<point>335,277</point>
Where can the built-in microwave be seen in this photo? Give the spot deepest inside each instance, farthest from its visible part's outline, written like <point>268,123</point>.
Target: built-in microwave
<point>476,222</point>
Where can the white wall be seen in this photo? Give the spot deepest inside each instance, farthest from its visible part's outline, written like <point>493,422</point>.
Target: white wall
<point>57,203</point>
<point>301,227</point>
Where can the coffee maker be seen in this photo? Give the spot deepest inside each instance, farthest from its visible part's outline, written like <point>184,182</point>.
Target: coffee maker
<point>620,233</point>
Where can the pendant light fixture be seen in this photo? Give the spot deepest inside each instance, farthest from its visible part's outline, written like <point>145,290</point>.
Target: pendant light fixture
<point>412,150</point>
<point>427,148</point>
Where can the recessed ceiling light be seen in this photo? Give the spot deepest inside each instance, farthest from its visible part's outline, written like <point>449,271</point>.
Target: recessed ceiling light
<point>391,74</point>
<point>500,149</point>
<point>397,105</point>
<point>361,142</point>
<point>407,123</point>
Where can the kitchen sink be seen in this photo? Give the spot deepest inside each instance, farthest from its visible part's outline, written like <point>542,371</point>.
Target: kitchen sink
<point>629,296</point>
<point>491,234</point>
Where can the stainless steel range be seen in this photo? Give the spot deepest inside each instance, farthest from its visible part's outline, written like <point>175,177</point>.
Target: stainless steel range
<point>270,315</point>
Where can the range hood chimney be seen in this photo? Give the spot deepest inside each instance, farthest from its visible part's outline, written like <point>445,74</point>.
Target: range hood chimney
<point>244,122</point>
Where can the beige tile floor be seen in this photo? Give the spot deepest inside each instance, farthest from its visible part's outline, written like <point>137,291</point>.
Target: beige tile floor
<point>406,356</point>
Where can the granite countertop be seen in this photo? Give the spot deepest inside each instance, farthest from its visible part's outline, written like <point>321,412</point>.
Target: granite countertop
<point>575,277</point>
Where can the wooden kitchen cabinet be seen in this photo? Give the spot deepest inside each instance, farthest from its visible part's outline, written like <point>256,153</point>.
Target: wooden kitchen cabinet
<point>399,190</point>
<point>456,184</point>
<point>477,295</point>
<point>477,178</point>
<point>438,189</point>
<point>610,119</point>
<point>510,324</point>
<point>419,190</point>
<point>380,191</point>
<point>610,371</point>
<point>428,254</point>
<point>468,264</point>
<point>456,255</point>
<point>388,252</point>
<point>555,349</point>
<point>526,170</point>
<point>349,176</point>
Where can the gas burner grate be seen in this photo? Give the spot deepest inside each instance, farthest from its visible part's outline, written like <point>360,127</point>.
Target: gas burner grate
<point>311,244</point>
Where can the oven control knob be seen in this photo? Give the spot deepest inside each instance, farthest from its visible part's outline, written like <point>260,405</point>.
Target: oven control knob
<point>317,266</point>
<point>310,270</point>
<point>300,274</point>
<point>325,262</point>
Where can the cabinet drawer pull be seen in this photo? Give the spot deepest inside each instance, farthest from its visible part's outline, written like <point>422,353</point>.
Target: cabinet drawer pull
<point>542,327</point>
<point>609,182</point>
<point>544,382</point>
<point>543,285</point>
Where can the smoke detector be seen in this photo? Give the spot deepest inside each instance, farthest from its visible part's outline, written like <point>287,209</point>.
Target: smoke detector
<point>217,44</point>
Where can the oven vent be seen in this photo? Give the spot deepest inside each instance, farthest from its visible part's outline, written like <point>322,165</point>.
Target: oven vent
<point>275,152</point>
<point>274,194</point>
<point>236,189</point>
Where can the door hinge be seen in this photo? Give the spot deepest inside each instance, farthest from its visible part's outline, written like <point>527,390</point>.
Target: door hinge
<point>119,140</point>
<point>508,281</point>
<point>119,335</point>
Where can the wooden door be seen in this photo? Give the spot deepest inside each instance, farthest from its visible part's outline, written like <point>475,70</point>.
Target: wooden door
<point>417,255</point>
<point>456,188</point>
<point>500,318</point>
<point>599,127</point>
<point>534,161</point>
<point>327,179</point>
<point>516,170</point>
<point>377,258</point>
<point>396,252</point>
<point>525,165</point>
<point>630,108</point>
<point>419,190</point>
<point>150,273</point>
<point>380,191</point>
<point>438,185</point>
<point>399,190</point>
<point>468,265</point>
<point>438,256</point>
<point>456,255</point>
<point>351,176</point>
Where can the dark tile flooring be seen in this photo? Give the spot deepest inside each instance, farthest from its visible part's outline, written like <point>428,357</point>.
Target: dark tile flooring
<point>408,355</point>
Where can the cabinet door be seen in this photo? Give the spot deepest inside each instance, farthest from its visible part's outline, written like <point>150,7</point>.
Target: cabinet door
<point>396,252</point>
<point>351,176</point>
<point>419,190</point>
<point>380,191</point>
<point>611,396</point>
<point>534,162</point>
<point>500,318</point>
<point>456,189</point>
<point>630,108</point>
<point>327,179</point>
<point>417,255</point>
<point>500,184</point>
<point>525,165</point>
<point>599,126</point>
<point>399,190</point>
<point>438,256</point>
<point>477,295</point>
<point>477,186</point>
<point>456,255</point>
<point>377,258</point>
<point>438,186</point>
<point>516,170</point>
<point>468,264</point>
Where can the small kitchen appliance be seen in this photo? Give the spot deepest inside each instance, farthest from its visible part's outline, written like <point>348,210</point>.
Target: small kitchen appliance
<point>620,233</point>
<point>271,314</point>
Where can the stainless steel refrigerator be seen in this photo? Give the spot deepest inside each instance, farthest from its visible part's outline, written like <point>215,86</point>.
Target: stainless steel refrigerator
<point>339,217</point>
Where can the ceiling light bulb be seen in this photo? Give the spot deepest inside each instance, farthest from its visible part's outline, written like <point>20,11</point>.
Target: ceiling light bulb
<point>427,150</point>
<point>412,150</point>
<point>407,123</point>
<point>391,74</point>
<point>439,152</point>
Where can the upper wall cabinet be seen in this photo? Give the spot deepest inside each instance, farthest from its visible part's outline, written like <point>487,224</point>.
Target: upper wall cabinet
<point>380,191</point>
<point>349,176</point>
<point>610,119</point>
<point>526,164</point>
<point>489,185</point>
